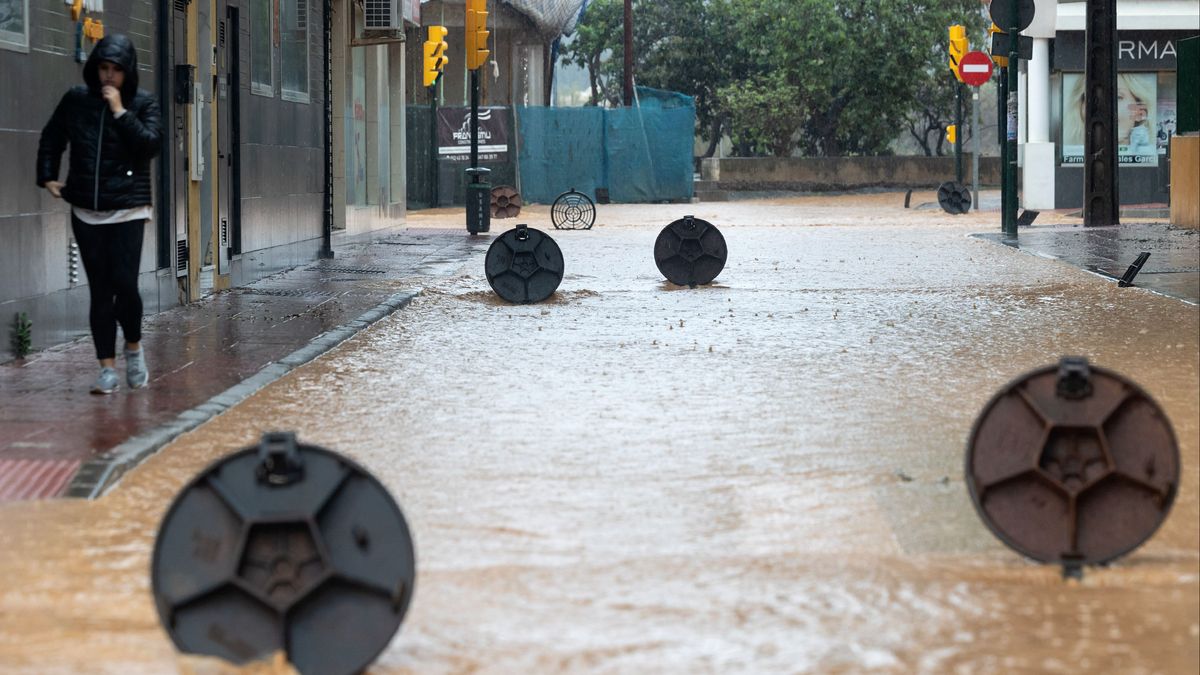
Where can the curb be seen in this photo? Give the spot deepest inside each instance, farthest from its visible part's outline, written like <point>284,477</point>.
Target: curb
<point>95,477</point>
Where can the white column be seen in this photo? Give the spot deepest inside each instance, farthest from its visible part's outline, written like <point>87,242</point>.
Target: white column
<point>1038,184</point>
<point>1039,92</point>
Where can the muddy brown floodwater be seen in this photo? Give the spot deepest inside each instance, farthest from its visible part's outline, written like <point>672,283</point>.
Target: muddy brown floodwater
<point>764,475</point>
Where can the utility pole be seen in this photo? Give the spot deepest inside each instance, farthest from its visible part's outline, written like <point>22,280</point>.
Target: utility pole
<point>958,127</point>
<point>628,53</point>
<point>1101,203</point>
<point>477,52</point>
<point>1009,215</point>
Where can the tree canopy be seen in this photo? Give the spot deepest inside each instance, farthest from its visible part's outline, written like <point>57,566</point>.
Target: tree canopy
<point>826,77</point>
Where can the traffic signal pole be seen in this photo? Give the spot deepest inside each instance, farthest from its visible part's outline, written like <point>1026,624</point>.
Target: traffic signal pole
<point>475,120</point>
<point>958,125</point>
<point>433,146</point>
<point>1009,211</point>
<point>435,64</point>
<point>478,190</point>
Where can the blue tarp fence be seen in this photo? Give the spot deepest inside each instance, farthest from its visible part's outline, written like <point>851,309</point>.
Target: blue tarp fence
<point>638,154</point>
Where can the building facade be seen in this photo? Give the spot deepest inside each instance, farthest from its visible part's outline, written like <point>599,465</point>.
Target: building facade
<point>1051,95</point>
<point>283,128</point>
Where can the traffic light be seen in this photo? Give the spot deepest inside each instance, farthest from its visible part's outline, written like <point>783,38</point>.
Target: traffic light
<point>1000,59</point>
<point>477,34</point>
<point>958,48</point>
<point>952,132</point>
<point>435,54</point>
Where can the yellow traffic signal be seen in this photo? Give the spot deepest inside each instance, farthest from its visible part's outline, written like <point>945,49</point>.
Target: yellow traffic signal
<point>1001,60</point>
<point>435,54</point>
<point>952,132</point>
<point>477,34</point>
<point>958,48</point>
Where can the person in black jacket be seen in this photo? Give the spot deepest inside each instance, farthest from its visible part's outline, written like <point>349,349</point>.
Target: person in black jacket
<point>114,130</point>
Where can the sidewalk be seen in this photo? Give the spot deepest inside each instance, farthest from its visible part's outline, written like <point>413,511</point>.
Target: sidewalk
<point>56,439</point>
<point>1173,268</point>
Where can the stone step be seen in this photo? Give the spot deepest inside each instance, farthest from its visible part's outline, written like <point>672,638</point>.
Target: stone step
<point>712,195</point>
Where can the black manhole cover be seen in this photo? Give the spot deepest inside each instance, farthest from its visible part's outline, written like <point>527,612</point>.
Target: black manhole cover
<point>284,547</point>
<point>1072,464</point>
<point>690,252</point>
<point>524,265</point>
<point>954,197</point>
<point>573,210</point>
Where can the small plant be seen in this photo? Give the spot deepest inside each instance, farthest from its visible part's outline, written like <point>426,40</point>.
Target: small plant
<point>22,335</point>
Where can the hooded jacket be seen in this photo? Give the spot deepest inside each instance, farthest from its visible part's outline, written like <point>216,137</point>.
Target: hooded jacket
<point>110,157</point>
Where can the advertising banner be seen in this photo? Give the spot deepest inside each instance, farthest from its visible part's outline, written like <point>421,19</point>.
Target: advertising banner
<point>1137,118</point>
<point>454,134</point>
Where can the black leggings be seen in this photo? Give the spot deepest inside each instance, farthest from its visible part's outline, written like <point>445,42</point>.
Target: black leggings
<point>111,254</point>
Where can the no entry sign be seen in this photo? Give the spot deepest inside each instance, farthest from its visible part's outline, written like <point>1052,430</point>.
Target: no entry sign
<point>975,68</point>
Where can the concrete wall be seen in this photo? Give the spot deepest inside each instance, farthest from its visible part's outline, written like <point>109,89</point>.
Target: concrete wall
<point>841,173</point>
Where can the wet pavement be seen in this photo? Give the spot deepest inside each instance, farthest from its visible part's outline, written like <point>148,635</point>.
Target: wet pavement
<point>1173,268</point>
<point>56,438</point>
<point>764,475</point>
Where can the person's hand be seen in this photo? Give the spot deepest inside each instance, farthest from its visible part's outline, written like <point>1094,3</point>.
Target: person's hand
<point>1138,112</point>
<point>113,96</point>
<point>55,188</point>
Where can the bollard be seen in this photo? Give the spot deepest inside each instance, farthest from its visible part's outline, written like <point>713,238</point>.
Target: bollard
<point>573,210</point>
<point>690,252</point>
<point>954,198</point>
<point>1126,279</point>
<point>284,546</point>
<point>524,265</point>
<point>1072,465</point>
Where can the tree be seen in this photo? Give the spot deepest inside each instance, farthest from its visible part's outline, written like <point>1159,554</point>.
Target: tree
<point>687,46</point>
<point>600,32</point>
<point>765,113</point>
<point>851,74</point>
<point>933,110</point>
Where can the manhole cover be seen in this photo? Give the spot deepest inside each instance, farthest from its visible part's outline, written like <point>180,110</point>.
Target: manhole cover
<point>524,265</point>
<point>690,252</point>
<point>284,547</point>
<point>1072,464</point>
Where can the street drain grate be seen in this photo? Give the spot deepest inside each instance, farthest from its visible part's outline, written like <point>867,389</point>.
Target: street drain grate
<point>348,270</point>
<point>286,292</point>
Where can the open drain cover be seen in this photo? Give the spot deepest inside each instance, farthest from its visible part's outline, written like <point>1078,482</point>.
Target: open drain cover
<point>1072,464</point>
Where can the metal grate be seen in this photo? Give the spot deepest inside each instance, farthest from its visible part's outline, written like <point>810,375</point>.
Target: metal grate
<point>221,34</point>
<point>181,255</point>
<point>286,292</point>
<point>348,270</point>
<point>181,5</point>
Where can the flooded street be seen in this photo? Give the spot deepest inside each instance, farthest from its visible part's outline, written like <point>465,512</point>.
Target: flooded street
<point>763,475</point>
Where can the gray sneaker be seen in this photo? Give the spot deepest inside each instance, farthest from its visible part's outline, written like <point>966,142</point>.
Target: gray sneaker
<point>107,382</point>
<point>136,373</point>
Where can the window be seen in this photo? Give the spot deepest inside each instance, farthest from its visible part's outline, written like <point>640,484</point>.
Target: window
<point>262,47</point>
<point>293,33</point>
<point>14,25</point>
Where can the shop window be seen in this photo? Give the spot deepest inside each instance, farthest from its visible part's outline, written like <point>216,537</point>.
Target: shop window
<point>293,39</point>
<point>262,48</point>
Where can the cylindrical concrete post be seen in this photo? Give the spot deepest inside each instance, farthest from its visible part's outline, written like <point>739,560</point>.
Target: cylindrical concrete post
<point>1039,156</point>
<point>1039,92</point>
